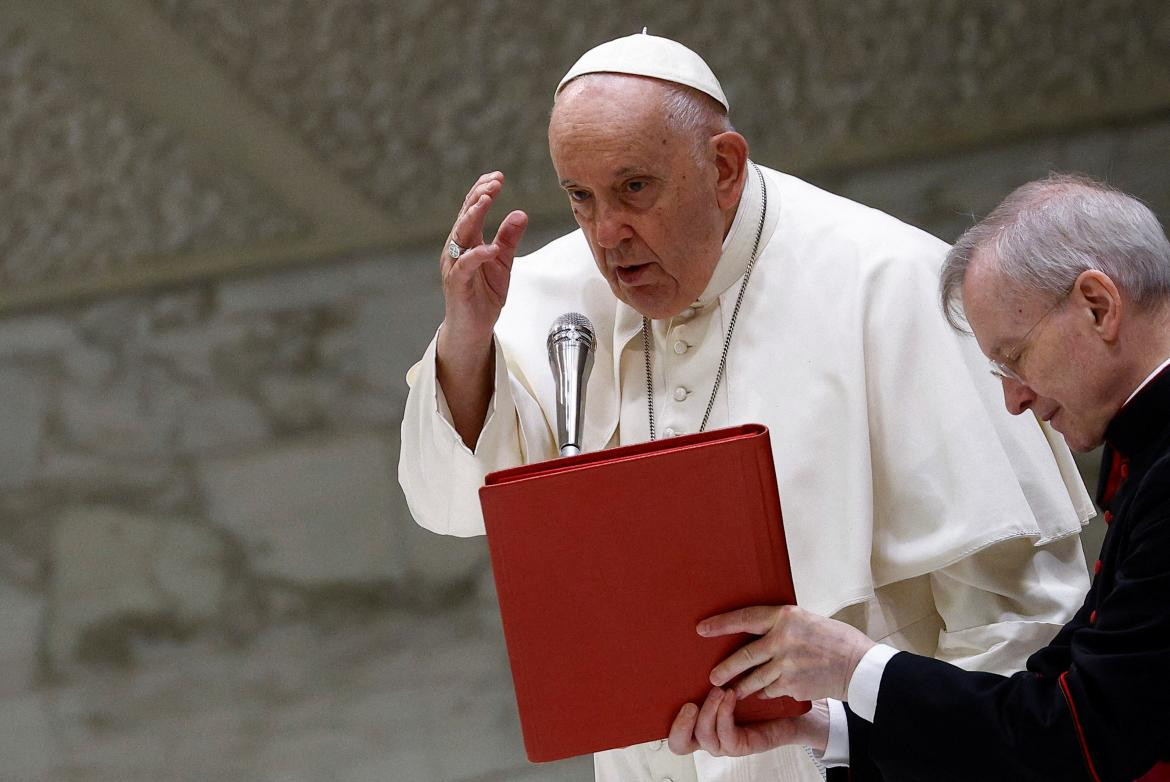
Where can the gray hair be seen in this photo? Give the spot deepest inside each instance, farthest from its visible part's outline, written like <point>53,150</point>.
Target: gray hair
<point>694,113</point>
<point>1046,232</point>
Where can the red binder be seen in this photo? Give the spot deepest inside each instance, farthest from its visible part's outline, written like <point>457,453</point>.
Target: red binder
<point>605,562</point>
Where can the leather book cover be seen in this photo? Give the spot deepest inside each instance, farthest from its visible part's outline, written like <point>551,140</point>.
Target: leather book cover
<point>605,562</point>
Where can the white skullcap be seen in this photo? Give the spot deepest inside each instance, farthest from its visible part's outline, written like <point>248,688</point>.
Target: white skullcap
<point>648,55</point>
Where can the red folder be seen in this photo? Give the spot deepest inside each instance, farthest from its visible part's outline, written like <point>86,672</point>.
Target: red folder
<point>605,562</point>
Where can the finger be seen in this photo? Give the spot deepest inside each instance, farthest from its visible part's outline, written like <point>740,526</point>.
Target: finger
<point>470,262</point>
<point>468,230</point>
<point>682,731</point>
<point>761,736</point>
<point>730,734</point>
<point>489,183</point>
<point>778,688</point>
<point>705,723</point>
<point>743,659</point>
<point>756,620</point>
<point>763,677</point>
<point>508,237</point>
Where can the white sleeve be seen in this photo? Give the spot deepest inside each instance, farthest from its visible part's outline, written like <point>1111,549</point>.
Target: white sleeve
<point>439,474</point>
<point>865,683</point>
<point>1002,603</point>
<point>837,748</point>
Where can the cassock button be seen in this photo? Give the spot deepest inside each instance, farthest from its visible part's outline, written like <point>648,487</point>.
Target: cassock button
<point>1097,567</point>
<point>680,347</point>
<point>1124,470</point>
<point>680,394</point>
<point>1108,517</point>
<point>1093,617</point>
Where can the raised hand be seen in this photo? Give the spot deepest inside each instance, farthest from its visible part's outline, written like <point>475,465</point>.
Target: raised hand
<point>475,284</point>
<point>475,287</point>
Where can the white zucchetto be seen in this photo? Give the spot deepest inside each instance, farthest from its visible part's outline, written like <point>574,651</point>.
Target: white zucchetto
<point>648,55</point>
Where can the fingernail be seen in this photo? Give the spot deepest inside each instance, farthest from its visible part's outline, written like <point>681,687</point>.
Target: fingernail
<point>703,628</point>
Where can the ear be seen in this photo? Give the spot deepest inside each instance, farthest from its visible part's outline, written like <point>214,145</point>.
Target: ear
<point>731,156</point>
<point>1099,294</point>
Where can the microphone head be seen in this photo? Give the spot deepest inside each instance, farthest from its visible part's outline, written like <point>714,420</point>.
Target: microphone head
<point>570,356</point>
<point>572,326</point>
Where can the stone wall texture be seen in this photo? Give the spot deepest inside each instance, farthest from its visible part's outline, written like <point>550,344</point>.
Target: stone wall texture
<point>196,468</point>
<point>92,185</point>
<point>412,100</point>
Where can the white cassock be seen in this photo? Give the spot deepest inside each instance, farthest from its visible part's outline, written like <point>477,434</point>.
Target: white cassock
<point>915,507</point>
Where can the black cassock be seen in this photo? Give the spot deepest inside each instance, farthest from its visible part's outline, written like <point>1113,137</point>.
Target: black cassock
<point>1092,705</point>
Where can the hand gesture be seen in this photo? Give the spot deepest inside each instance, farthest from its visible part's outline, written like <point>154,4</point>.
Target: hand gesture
<point>475,274</point>
<point>475,286</point>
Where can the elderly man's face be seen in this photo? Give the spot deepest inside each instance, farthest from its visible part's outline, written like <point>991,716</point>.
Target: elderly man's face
<point>645,202</point>
<point>1047,345</point>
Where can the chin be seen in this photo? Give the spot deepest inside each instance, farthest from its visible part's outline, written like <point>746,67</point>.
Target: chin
<point>653,307</point>
<point>1083,442</point>
<point>1078,446</point>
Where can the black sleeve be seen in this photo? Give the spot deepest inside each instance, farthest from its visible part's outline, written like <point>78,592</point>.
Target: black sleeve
<point>937,721</point>
<point>1104,718</point>
<point>1092,706</point>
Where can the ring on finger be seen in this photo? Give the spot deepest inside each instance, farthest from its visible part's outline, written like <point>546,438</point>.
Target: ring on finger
<point>454,249</point>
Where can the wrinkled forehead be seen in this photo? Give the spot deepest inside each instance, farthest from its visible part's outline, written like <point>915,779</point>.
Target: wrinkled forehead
<point>610,112</point>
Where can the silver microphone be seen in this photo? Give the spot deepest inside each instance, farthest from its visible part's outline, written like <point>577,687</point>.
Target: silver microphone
<point>570,354</point>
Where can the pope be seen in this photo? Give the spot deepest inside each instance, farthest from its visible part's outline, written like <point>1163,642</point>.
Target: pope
<point>724,292</point>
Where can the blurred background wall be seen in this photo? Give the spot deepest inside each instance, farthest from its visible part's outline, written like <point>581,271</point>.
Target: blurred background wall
<point>219,223</point>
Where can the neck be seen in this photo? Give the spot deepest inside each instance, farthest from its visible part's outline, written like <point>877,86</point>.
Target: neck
<point>1151,341</point>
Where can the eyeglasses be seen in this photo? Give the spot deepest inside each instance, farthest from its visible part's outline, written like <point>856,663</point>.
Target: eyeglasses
<point>1002,369</point>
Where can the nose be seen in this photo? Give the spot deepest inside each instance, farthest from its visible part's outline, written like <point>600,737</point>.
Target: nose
<point>611,227</point>
<point>1017,396</point>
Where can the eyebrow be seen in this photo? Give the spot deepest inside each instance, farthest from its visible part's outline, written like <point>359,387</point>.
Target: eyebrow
<point>621,173</point>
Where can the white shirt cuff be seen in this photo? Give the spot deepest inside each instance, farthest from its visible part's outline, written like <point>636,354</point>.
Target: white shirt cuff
<point>867,679</point>
<point>837,748</point>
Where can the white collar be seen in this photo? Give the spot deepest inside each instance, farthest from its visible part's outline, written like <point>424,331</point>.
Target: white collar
<point>741,237</point>
<point>1149,377</point>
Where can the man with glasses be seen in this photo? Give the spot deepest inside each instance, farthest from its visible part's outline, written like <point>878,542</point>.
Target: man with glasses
<point>1066,286</point>
<point>1011,358</point>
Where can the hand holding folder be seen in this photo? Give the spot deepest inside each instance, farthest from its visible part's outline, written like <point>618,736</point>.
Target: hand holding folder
<point>604,564</point>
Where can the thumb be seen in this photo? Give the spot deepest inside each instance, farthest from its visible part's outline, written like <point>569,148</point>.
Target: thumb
<point>508,236</point>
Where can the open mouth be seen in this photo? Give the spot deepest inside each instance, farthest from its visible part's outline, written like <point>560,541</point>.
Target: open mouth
<point>632,275</point>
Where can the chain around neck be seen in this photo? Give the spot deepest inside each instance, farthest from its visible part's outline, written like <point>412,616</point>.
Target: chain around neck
<point>730,326</point>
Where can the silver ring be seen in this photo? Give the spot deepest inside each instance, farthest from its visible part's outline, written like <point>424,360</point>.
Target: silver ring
<point>455,250</point>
